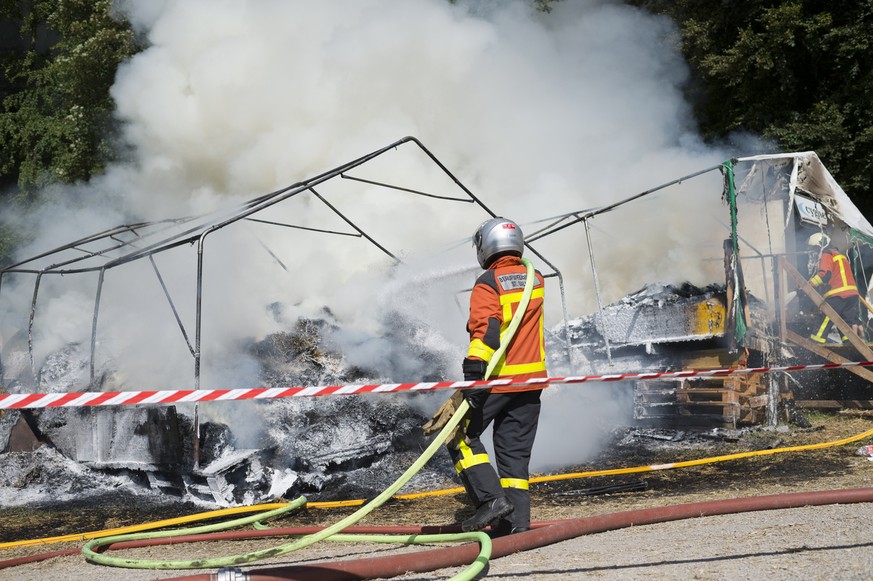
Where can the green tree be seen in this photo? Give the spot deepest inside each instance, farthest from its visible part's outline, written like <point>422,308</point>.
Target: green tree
<point>798,72</point>
<point>56,117</point>
<point>56,122</point>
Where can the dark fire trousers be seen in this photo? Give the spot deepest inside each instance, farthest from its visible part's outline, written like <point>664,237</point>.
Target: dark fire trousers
<point>849,311</point>
<point>515,416</point>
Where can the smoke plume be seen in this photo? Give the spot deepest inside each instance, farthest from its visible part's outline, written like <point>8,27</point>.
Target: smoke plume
<point>537,114</point>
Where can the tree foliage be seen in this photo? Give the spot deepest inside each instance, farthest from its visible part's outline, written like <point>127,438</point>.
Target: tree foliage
<point>56,112</point>
<point>798,72</point>
<point>55,123</point>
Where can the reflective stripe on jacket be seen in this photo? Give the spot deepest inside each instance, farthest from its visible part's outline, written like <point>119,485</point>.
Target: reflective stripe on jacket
<point>493,302</point>
<point>835,271</point>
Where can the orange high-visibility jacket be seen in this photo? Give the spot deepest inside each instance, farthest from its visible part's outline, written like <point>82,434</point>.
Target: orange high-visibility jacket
<point>835,271</point>
<point>493,302</point>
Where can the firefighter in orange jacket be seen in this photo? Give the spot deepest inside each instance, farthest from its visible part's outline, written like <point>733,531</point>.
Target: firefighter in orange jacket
<point>501,498</point>
<point>840,291</point>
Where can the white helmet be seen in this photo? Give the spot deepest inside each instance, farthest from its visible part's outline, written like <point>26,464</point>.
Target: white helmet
<point>497,236</point>
<point>819,240</point>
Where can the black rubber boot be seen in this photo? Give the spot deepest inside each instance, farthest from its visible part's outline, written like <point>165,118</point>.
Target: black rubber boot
<point>486,514</point>
<point>503,528</point>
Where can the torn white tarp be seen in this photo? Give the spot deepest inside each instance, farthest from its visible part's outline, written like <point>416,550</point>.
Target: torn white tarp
<point>811,177</point>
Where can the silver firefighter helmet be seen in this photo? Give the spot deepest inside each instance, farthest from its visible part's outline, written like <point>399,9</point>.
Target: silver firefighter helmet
<point>497,236</point>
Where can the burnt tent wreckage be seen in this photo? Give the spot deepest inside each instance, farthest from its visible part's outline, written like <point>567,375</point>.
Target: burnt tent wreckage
<point>745,243</point>
<point>174,447</point>
<point>756,310</point>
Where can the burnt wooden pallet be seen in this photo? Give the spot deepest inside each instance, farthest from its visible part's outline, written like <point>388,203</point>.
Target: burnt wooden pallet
<point>723,402</point>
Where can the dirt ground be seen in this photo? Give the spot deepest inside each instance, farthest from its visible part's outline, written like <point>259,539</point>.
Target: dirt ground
<point>825,542</point>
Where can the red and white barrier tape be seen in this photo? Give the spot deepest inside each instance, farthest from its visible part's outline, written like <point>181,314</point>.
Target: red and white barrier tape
<point>164,397</point>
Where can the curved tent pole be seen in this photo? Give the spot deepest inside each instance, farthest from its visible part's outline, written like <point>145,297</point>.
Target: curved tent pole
<point>479,203</point>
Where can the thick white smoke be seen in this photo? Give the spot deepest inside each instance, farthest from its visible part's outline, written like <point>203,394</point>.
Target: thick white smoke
<point>538,114</point>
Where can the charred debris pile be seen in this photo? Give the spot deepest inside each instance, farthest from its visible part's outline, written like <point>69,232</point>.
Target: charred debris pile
<point>660,327</point>
<point>324,448</point>
<point>668,328</point>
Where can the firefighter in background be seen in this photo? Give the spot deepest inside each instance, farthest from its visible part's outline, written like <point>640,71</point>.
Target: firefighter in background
<point>835,278</point>
<point>501,497</point>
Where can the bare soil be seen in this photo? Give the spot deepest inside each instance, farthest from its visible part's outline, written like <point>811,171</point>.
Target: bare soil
<point>828,542</point>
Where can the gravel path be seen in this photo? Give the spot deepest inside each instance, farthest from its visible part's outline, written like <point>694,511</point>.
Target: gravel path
<point>825,542</point>
<point>811,543</point>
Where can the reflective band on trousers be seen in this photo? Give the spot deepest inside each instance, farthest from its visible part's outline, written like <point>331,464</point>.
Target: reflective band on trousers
<point>469,461</point>
<point>514,483</point>
<point>818,337</point>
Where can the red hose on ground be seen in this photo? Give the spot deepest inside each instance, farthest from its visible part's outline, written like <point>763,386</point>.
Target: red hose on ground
<point>553,532</point>
<point>541,534</point>
<point>37,558</point>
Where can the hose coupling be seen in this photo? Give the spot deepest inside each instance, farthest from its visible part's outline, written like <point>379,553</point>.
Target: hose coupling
<point>230,574</point>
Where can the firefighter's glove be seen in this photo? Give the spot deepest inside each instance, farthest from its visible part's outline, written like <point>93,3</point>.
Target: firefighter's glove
<point>474,369</point>
<point>475,397</point>
<point>443,415</point>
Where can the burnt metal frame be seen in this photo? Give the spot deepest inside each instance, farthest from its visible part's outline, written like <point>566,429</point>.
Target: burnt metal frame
<point>565,220</point>
<point>199,227</point>
<point>571,218</point>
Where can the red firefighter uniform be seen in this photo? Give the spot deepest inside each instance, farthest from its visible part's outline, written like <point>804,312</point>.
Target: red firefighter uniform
<point>513,410</point>
<point>835,274</point>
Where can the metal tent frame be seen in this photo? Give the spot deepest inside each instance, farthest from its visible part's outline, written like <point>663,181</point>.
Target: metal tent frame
<point>101,252</point>
<point>563,221</point>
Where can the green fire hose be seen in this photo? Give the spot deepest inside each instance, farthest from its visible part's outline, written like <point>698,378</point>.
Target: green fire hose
<point>331,532</point>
